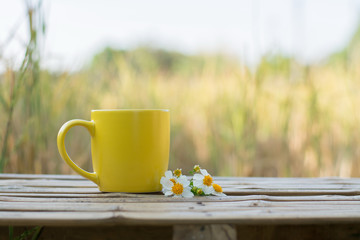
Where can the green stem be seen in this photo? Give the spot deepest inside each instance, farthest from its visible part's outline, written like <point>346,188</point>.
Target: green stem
<point>11,232</point>
<point>7,128</point>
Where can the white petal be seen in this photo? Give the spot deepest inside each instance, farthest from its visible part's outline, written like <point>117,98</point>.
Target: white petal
<point>198,183</point>
<point>187,188</point>
<point>167,184</point>
<point>168,193</point>
<point>198,177</point>
<point>187,193</point>
<point>183,180</point>
<point>168,174</point>
<point>162,180</point>
<point>208,190</point>
<point>220,194</point>
<point>204,172</point>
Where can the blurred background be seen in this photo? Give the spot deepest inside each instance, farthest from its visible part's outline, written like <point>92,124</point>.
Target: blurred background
<point>255,87</point>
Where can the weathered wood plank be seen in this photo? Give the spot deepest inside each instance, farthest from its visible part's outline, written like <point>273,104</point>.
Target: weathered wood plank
<point>290,192</point>
<point>247,216</point>
<point>140,198</point>
<point>47,183</point>
<point>227,186</point>
<point>230,180</point>
<point>9,218</point>
<point>60,195</point>
<point>22,189</point>
<point>40,176</point>
<point>227,180</point>
<point>229,191</point>
<point>294,180</point>
<point>292,186</point>
<point>239,217</point>
<point>245,181</point>
<point>54,200</point>
<point>246,186</point>
<point>191,207</point>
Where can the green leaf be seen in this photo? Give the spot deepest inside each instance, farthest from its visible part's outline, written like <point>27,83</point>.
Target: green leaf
<point>37,233</point>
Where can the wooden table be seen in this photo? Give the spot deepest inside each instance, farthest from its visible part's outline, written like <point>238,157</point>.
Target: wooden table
<point>71,207</point>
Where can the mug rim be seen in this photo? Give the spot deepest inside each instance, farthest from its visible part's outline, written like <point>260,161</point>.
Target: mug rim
<point>129,110</point>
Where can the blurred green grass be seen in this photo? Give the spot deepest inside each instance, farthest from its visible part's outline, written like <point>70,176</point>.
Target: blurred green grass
<point>283,118</point>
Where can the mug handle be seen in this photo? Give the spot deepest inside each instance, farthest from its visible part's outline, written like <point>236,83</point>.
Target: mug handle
<point>90,126</point>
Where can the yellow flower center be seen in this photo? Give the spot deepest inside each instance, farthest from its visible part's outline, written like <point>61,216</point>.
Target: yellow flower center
<point>173,180</point>
<point>217,188</point>
<point>177,172</point>
<point>177,188</point>
<point>208,180</point>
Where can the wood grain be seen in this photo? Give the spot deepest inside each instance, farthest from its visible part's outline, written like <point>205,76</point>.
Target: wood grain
<point>232,186</point>
<point>70,200</point>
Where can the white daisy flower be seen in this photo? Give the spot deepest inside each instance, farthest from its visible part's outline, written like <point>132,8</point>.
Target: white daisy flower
<point>168,181</point>
<point>218,190</point>
<point>179,188</point>
<point>196,169</point>
<point>177,172</point>
<point>204,181</point>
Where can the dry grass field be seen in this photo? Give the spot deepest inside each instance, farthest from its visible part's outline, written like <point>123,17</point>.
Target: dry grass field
<point>280,118</point>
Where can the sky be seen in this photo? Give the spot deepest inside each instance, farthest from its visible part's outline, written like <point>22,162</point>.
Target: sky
<point>76,30</point>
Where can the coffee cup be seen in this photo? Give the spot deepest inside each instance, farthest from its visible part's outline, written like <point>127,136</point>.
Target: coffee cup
<point>129,149</point>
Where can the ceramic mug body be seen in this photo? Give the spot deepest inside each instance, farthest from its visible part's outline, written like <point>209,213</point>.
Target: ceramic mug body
<point>130,149</point>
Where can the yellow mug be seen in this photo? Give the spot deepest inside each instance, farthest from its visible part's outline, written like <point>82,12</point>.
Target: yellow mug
<point>129,148</point>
